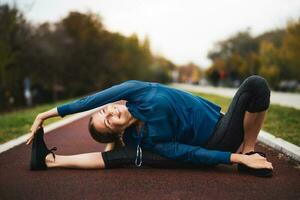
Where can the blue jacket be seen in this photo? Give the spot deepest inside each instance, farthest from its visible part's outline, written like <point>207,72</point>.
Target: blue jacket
<point>177,123</point>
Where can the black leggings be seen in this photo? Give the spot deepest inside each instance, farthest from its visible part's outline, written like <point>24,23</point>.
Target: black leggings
<point>253,96</point>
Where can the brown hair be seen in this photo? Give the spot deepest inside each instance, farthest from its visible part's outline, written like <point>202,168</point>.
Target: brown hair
<point>104,137</point>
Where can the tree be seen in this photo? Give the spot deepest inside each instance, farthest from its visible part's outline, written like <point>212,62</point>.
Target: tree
<point>238,55</point>
<point>291,49</point>
<point>13,35</point>
<point>268,54</point>
<point>161,69</point>
<point>76,54</point>
<point>269,68</point>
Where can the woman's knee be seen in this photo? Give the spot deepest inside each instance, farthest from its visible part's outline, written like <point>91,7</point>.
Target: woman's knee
<point>261,93</point>
<point>258,84</point>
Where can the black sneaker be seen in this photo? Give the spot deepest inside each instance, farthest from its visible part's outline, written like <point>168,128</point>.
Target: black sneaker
<point>263,172</point>
<point>39,151</point>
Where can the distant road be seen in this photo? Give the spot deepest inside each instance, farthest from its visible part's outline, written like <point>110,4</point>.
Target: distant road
<point>281,98</point>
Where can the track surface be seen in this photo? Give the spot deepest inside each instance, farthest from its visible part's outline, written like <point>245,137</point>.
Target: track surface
<point>221,182</point>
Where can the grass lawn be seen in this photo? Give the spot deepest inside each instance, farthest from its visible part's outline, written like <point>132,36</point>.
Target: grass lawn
<point>17,123</point>
<point>281,121</point>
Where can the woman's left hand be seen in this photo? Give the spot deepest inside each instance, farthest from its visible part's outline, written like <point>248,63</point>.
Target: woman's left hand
<point>38,122</point>
<point>256,161</point>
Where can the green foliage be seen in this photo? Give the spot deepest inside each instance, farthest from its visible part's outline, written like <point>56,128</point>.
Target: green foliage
<point>291,49</point>
<point>273,54</point>
<point>13,34</point>
<point>71,57</point>
<point>269,63</point>
<point>236,56</point>
<point>161,68</point>
<point>10,21</point>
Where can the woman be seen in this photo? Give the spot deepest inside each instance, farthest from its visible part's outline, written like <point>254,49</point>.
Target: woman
<point>160,126</point>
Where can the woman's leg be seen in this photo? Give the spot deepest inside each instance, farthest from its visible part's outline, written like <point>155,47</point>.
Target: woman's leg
<point>244,118</point>
<point>125,157</point>
<point>115,158</point>
<point>79,161</point>
<point>252,125</point>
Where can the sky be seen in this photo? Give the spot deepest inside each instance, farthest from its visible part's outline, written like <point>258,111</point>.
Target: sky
<point>181,30</point>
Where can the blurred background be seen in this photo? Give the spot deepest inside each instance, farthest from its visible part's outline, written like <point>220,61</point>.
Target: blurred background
<point>62,49</point>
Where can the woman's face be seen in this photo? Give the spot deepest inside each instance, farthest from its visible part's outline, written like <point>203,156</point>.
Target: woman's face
<point>112,118</point>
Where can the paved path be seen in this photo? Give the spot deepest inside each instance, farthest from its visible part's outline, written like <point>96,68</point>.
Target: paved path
<point>281,98</point>
<point>221,182</point>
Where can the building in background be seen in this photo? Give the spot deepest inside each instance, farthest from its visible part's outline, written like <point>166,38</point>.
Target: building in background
<point>189,73</point>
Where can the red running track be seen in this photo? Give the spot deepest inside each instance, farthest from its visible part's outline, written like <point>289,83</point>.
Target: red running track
<point>221,182</point>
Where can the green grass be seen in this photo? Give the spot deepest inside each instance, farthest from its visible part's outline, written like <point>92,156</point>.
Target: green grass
<point>17,123</point>
<point>281,121</point>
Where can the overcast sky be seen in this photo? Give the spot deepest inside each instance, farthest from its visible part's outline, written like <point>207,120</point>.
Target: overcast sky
<point>181,30</point>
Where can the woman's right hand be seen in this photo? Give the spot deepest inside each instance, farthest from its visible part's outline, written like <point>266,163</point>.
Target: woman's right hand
<point>256,161</point>
<point>38,122</point>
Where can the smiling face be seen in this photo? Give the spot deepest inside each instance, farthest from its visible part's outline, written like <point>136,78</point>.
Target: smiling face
<point>112,118</point>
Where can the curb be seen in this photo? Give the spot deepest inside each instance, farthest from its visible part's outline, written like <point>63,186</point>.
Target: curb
<point>22,139</point>
<point>289,149</point>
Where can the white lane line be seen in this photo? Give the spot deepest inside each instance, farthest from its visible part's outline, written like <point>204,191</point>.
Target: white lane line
<point>15,142</point>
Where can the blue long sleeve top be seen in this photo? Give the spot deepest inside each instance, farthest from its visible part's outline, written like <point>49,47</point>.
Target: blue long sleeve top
<point>177,123</point>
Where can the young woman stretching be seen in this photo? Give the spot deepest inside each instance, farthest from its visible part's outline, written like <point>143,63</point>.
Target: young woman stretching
<point>155,125</point>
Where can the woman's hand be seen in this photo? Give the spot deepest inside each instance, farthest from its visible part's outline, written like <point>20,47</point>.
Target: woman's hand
<point>38,122</point>
<point>256,161</point>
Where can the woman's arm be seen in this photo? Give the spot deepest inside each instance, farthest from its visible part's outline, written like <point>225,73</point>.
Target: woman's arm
<point>199,155</point>
<point>236,158</point>
<point>125,91</point>
<point>40,118</point>
<point>48,114</point>
<point>192,154</point>
<point>254,160</point>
